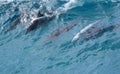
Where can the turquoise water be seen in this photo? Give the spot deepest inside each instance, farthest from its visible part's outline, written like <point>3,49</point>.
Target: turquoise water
<point>34,54</point>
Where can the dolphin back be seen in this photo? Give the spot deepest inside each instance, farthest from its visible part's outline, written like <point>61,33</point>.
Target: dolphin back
<point>39,22</point>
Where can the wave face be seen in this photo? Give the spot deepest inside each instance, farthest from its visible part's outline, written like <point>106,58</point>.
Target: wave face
<point>36,53</point>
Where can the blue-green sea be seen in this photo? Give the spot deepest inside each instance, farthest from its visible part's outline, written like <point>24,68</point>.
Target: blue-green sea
<point>36,53</point>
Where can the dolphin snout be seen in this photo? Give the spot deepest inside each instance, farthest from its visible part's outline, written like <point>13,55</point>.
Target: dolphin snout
<point>76,37</point>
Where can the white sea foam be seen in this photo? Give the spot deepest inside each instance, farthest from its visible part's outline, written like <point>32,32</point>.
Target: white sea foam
<point>67,6</point>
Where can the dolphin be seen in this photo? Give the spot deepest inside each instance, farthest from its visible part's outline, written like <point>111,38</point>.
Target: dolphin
<point>86,29</point>
<point>14,23</point>
<point>40,20</point>
<point>59,31</point>
<point>91,32</point>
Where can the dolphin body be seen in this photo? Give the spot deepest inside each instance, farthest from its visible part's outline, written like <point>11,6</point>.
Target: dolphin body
<point>90,26</point>
<point>98,32</point>
<point>91,32</point>
<point>14,23</point>
<point>59,31</point>
<point>40,20</point>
